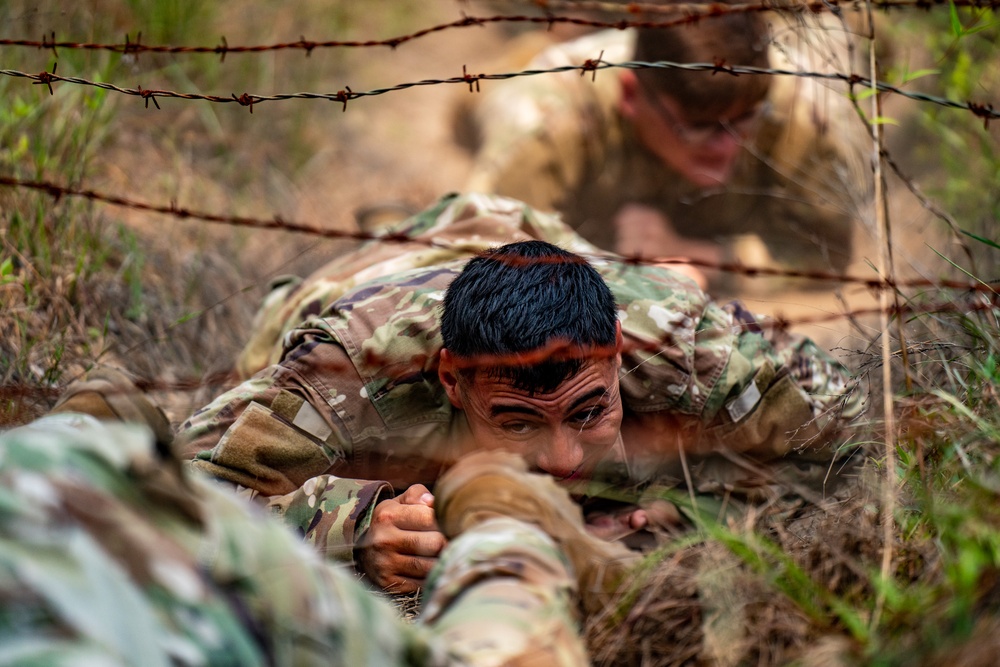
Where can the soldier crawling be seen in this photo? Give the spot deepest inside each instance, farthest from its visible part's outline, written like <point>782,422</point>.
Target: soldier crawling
<point>672,161</point>
<point>607,375</point>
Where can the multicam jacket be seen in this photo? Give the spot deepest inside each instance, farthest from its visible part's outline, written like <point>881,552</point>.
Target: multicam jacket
<point>559,143</point>
<point>355,396</point>
<point>112,555</point>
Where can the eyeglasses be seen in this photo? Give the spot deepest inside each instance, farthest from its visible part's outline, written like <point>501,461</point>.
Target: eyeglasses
<point>701,133</point>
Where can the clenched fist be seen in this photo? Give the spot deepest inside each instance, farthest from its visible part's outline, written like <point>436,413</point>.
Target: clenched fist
<point>403,542</point>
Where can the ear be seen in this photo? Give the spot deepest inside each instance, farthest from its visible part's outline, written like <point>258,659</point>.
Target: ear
<point>448,374</point>
<point>629,93</point>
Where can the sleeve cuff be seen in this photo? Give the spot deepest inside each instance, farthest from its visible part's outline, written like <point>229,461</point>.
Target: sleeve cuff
<point>332,513</point>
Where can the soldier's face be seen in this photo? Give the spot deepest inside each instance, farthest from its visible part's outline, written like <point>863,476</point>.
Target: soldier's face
<point>702,151</point>
<point>564,433</point>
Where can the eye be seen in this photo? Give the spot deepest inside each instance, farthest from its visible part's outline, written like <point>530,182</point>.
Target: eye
<point>589,415</point>
<point>517,428</point>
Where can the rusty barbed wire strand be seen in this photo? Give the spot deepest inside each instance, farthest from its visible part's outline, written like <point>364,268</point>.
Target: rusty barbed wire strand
<point>189,384</point>
<point>692,12</point>
<point>986,111</point>
<point>10,391</point>
<point>277,223</point>
<point>128,47</point>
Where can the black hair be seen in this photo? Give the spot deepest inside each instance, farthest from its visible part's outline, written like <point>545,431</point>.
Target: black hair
<point>530,313</point>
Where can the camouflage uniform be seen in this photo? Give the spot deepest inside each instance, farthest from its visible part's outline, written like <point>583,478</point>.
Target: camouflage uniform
<point>111,556</point>
<point>354,409</point>
<point>559,143</point>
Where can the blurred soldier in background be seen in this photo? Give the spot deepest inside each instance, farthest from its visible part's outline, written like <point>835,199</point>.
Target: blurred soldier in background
<point>675,162</point>
<point>620,380</point>
<point>113,553</point>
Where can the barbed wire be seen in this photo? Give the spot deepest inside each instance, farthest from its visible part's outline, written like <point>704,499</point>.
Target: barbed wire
<point>17,390</point>
<point>278,223</point>
<point>985,111</point>
<point>222,49</point>
<point>987,298</point>
<point>691,13</point>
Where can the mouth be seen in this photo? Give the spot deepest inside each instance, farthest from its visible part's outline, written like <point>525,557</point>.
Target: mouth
<point>574,476</point>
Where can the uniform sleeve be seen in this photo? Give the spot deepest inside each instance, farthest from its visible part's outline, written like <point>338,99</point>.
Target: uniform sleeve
<point>329,512</point>
<point>715,378</point>
<point>816,149</point>
<point>277,440</point>
<point>262,435</point>
<point>777,393</point>
<point>818,200</point>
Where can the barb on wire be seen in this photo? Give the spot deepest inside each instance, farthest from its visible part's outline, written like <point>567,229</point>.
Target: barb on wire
<point>45,44</point>
<point>278,223</point>
<point>687,13</point>
<point>590,65</point>
<point>982,110</point>
<point>132,48</point>
<point>473,80</point>
<point>343,96</point>
<point>244,100</point>
<point>45,78</point>
<point>148,95</point>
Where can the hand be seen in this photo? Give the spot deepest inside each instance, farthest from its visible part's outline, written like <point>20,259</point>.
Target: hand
<point>645,231</point>
<point>403,541</point>
<point>657,515</point>
<point>614,526</point>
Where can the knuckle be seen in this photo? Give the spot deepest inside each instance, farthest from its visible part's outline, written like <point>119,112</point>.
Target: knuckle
<point>380,537</point>
<point>438,542</point>
<point>388,581</point>
<point>385,512</point>
<point>418,567</point>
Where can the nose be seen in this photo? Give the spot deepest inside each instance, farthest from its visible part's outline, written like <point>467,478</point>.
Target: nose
<point>560,456</point>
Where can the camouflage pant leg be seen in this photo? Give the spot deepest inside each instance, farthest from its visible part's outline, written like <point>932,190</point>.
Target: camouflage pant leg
<point>503,591</point>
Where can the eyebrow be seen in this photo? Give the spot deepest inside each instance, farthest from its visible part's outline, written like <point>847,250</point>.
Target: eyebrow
<point>597,392</point>
<point>502,409</point>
